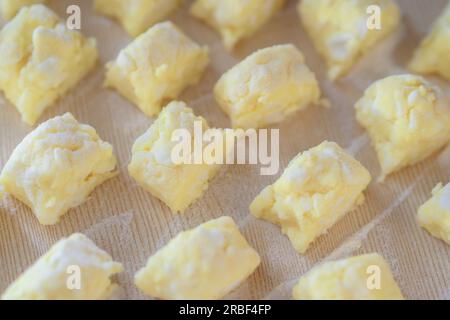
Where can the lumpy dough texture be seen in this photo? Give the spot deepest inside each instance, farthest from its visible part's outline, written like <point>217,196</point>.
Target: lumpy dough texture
<point>267,87</point>
<point>48,278</point>
<point>157,66</point>
<point>433,54</point>
<point>137,16</point>
<point>353,278</point>
<point>434,215</point>
<point>407,118</point>
<point>206,262</point>
<point>57,166</point>
<point>317,189</point>
<point>177,184</point>
<point>236,19</point>
<point>41,60</point>
<point>339,29</point>
<point>9,8</point>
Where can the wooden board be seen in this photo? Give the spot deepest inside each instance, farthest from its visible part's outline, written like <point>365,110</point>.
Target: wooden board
<point>131,224</point>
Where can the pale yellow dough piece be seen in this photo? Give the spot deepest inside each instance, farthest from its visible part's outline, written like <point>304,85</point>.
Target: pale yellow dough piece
<point>236,19</point>
<point>9,8</point>
<point>157,66</point>
<point>339,29</point>
<point>353,278</point>
<point>407,118</point>
<point>267,87</point>
<point>57,166</point>
<point>207,262</point>
<point>136,16</point>
<point>41,60</point>
<point>316,190</point>
<point>434,215</point>
<point>177,184</point>
<point>53,276</point>
<point>433,54</point>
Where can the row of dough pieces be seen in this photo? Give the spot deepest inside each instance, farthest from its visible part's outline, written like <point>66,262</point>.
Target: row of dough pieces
<point>207,262</point>
<point>317,188</point>
<point>161,62</point>
<point>41,144</point>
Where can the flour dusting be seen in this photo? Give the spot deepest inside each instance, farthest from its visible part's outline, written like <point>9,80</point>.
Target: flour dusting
<point>357,144</point>
<point>354,242</point>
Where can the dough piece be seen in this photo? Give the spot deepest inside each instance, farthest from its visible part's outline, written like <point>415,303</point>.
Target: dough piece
<point>353,278</point>
<point>339,29</point>
<point>136,16</point>
<point>267,87</point>
<point>57,166</point>
<point>316,190</point>
<point>54,275</point>
<point>41,60</point>
<point>207,262</point>
<point>236,19</point>
<point>434,215</point>
<point>157,66</point>
<point>433,54</point>
<point>407,118</point>
<point>9,8</point>
<point>177,184</point>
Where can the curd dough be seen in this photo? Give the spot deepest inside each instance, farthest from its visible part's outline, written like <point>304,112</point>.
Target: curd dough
<point>9,8</point>
<point>317,189</point>
<point>266,87</point>
<point>177,184</point>
<point>434,215</point>
<point>52,277</point>
<point>349,279</point>
<point>204,263</point>
<point>407,118</point>
<point>236,19</point>
<point>41,59</point>
<point>339,29</point>
<point>137,16</point>
<point>157,66</point>
<point>57,166</point>
<point>433,54</point>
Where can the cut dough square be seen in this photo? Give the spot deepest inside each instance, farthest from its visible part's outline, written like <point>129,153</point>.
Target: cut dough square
<point>73,269</point>
<point>316,190</point>
<point>267,87</point>
<point>433,54</point>
<point>407,118</point>
<point>57,166</point>
<point>9,8</point>
<point>177,184</point>
<point>365,277</point>
<point>434,215</point>
<point>235,19</point>
<point>339,29</point>
<point>157,66</point>
<point>41,60</point>
<point>136,16</point>
<point>206,262</point>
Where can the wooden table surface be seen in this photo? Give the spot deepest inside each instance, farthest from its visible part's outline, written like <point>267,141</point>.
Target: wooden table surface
<point>131,224</point>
